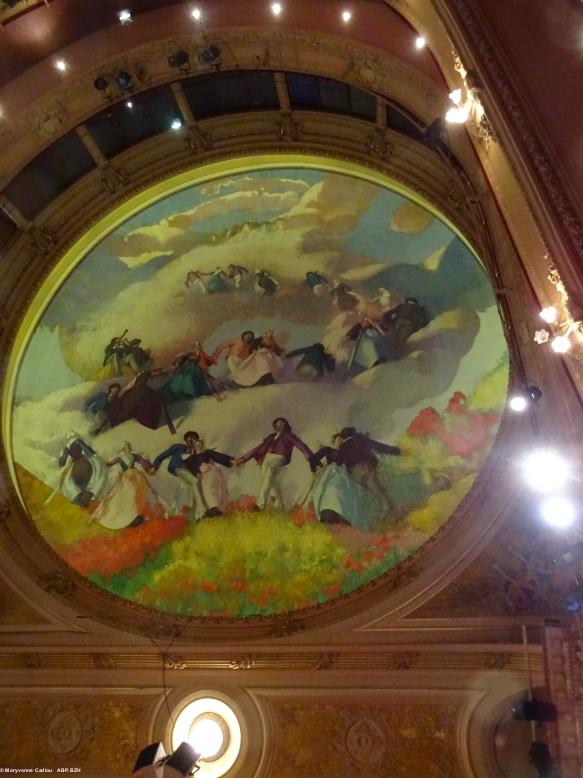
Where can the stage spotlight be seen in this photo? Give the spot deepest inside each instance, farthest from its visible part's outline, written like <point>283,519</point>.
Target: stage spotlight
<point>211,56</point>
<point>101,84</point>
<point>124,80</point>
<point>545,470</point>
<point>180,60</point>
<point>541,759</point>
<point>181,762</point>
<point>558,512</point>
<point>148,760</point>
<point>534,710</point>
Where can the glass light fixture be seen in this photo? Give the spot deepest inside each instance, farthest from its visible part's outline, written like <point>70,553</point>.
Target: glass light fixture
<point>61,65</point>
<point>545,470</point>
<point>129,104</point>
<point>541,336</point>
<point>125,16</point>
<point>346,16</point>
<point>561,344</point>
<point>420,42</point>
<point>176,124</point>
<point>559,512</point>
<point>196,14</point>
<point>549,314</point>
<point>276,9</point>
<point>211,726</point>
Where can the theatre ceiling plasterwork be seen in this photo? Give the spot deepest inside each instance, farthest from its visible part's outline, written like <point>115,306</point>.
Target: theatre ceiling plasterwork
<point>464,593</point>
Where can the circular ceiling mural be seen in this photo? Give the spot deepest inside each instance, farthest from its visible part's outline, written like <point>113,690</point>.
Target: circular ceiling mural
<point>258,393</point>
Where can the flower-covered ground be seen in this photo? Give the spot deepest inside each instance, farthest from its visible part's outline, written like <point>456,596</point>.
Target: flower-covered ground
<point>250,563</point>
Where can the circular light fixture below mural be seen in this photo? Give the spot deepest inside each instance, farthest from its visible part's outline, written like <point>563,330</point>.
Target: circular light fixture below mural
<point>212,728</point>
<point>285,380</point>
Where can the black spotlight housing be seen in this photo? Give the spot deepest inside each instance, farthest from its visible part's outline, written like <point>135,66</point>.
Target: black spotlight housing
<point>534,710</point>
<point>124,80</point>
<point>211,56</point>
<point>101,83</point>
<point>180,60</point>
<point>541,759</point>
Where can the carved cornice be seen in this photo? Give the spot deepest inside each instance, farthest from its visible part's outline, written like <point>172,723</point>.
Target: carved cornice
<point>476,38</point>
<point>383,660</point>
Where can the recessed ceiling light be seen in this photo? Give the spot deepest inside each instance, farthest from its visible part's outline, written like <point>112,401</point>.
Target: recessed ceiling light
<point>276,9</point>
<point>61,65</point>
<point>420,42</point>
<point>196,14</point>
<point>346,16</point>
<point>545,470</point>
<point>176,124</point>
<point>518,403</point>
<point>125,16</point>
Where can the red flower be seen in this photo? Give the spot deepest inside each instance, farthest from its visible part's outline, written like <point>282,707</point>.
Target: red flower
<point>332,590</point>
<point>427,422</point>
<point>209,586</point>
<point>238,586</point>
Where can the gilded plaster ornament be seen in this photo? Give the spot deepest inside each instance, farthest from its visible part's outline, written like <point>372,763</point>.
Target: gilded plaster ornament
<point>103,662</point>
<point>379,145</point>
<point>112,178</point>
<point>288,128</point>
<point>325,661</point>
<point>243,663</point>
<point>57,583</point>
<point>64,732</point>
<point>41,240</point>
<point>174,662</point>
<point>366,742</point>
<point>197,140</point>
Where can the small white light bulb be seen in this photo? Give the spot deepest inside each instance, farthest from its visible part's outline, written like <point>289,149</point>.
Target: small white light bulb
<point>518,403</point>
<point>61,65</point>
<point>129,104</point>
<point>456,96</point>
<point>545,470</point>
<point>457,115</point>
<point>346,16</point>
<point>276,9</point>
<point>420,42</point>
<point>125,16</point>
<point>176,124</point>
<point>196,14</point>
<point>561,344</point>
<point>549,314</point>
<point>558,512</point>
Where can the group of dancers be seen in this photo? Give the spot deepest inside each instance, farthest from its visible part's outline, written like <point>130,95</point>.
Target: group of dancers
<point>344,487</point>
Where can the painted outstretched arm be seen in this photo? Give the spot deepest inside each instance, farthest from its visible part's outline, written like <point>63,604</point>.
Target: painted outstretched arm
<point>301,446</point>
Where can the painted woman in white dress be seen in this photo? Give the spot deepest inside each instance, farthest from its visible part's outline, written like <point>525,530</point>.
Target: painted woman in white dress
<point>131,500</point>
<point>338,498</point>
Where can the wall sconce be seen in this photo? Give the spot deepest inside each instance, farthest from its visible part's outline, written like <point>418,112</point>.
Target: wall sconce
<point>561,326</point>
<point>466,105</point>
